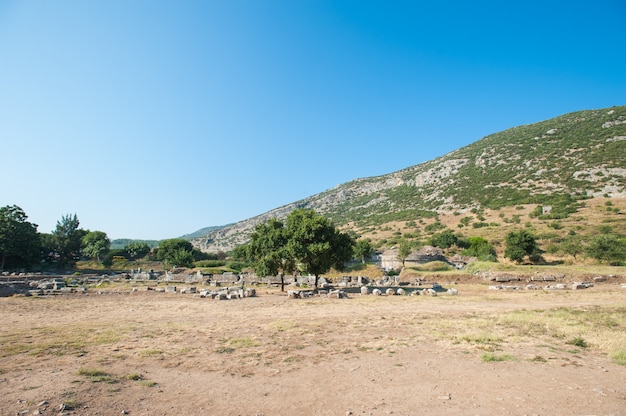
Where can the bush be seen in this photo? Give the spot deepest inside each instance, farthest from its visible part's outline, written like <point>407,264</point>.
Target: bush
<point>481,248</point>
<point>435,226</point>
<point>488,257</point>
<point>237,265</point>
<point>445,239</point>
<point>210,263</point>
<point>607,247</point>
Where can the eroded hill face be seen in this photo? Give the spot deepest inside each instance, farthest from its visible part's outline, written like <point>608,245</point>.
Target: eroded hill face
<point>558,163</point>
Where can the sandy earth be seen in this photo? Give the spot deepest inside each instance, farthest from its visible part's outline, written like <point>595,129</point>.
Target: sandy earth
<point>179,354</point>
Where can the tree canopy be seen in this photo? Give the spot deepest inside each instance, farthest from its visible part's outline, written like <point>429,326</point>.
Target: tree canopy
<point>608,248</point>
<point>306,239</point>
<point>68,240</point>
<point>176,251</point>
<point>404,250</point>
<point>363,249</point>
<point>19,240</point>
<point>96,244</point>
<point>137,249</point>
<point>268,250</point>
<point>520,244</point>
<point>316,243</point>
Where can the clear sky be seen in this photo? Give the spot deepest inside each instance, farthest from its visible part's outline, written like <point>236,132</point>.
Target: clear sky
<point>152,119</point>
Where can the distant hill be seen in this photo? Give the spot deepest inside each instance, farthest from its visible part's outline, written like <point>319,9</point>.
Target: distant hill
<point>554,163</point>
<point>203,231</point>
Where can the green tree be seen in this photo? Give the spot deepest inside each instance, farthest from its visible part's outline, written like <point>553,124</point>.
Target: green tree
<point>363,249</point>
<point>481,248</point>
<point>268,250</point>
<point>608,248</point>
<point>19,240</point>
<point>96,244</point>
<point>404,250</point>
<point>68,240</point>
<point>572,246</point>
<point>316,243</point>
<point>137,250</point>
<point>182,257</point>
<point>444,239</point>
<point>48,248</point>
<point>171,251</point>
<point>520,244</point>
<point>240,252</point>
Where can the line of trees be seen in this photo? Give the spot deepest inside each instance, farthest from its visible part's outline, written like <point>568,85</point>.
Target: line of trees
<point>306,241</point>
<point>22,246</point>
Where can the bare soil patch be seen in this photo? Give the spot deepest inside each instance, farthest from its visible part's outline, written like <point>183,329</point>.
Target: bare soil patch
<point>480,353</point>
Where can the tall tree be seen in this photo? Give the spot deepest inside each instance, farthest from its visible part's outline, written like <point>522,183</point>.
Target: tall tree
<point>96,244</point>
<point>173,252</point>
<point>68,240</point>
<point>316,243</point>
<point>19,240</point>
<point>268,250</point>
<point>404,250</point>
<point>363,249</point>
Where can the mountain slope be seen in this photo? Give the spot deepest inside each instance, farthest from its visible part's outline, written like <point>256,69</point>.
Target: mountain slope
<point>553,162</point>
<point>202,232</point>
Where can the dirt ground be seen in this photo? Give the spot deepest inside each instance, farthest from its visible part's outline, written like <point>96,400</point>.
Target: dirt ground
<point>482,352</point>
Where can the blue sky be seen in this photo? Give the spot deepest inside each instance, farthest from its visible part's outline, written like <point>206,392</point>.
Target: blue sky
<point>152,119</point>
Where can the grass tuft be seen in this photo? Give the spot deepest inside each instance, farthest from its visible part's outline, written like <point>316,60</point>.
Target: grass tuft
<point>579,342</point>
<point>489,357</point>
<point>96,376</point>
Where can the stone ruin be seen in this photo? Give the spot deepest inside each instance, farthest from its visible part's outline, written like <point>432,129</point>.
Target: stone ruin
<point>227,293</point>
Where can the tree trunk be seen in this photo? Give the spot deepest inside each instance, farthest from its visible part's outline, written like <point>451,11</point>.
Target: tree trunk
<point>282,282</point>
<point>315,287</point>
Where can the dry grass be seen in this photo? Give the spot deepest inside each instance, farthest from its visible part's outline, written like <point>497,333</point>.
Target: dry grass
<point>586,221</point>
<point>119,344</point>
<point>58,340</point>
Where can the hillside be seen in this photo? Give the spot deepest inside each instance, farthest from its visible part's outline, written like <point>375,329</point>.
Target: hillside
<point>558,163</point>
<point>203,231</point>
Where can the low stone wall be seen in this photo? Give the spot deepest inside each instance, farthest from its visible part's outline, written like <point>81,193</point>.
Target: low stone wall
<point>13,288</point>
